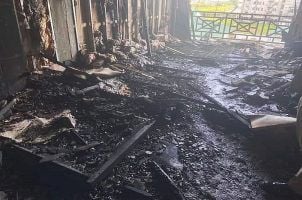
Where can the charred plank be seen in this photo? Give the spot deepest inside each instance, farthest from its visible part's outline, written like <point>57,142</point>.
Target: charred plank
<point>123,150</point>
<point>50,173</point>
<point>135,193</point>
<point>164,184</point>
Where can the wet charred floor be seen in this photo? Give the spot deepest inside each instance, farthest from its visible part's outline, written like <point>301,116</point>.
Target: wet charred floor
<point>222,158</point>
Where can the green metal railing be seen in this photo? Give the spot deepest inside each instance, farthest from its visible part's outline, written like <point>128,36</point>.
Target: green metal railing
<point>239,26</point>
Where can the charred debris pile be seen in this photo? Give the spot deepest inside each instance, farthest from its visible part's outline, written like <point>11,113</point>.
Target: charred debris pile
<point>99,123</point>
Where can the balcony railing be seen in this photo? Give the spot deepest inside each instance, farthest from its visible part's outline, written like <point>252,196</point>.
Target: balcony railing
<point>239,26</point>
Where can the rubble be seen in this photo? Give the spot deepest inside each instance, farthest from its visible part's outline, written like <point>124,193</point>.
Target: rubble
<point>40,130</point>
<point>110,104</point>
<point>199,104</point>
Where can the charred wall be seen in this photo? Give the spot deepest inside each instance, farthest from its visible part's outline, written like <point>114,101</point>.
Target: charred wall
<point>61,28</point>
<point>25,31</point>
<point>97,21</point>
<point>12,57</point>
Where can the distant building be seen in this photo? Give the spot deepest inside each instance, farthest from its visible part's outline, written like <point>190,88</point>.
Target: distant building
<point>268,7</point>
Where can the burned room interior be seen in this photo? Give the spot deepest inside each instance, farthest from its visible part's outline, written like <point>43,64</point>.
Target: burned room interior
<point>150,99</point>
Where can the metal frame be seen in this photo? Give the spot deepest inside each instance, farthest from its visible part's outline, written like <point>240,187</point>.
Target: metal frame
<point>239,26</point>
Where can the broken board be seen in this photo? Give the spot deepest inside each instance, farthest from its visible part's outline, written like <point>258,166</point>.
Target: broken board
<point>271,121</point>
<point>116,157</point>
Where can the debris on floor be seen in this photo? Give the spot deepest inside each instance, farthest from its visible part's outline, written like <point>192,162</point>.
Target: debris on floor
<point>40,130</point>
<point>174,126</point>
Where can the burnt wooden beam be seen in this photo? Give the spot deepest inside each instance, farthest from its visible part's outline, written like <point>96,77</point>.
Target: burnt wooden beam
<point>77,138</point>
<point>129,19</point>
<point>135,193</point>
<point>75,24</point>
<point>164,184</point>
<point>146,27</point>
<point>90,37</point>
<point>115,18</point>
<point>160,9</point>
<point>88,89</point>
<point>86,147</point>
<point>51,173</point>
<point>103,19</point>
<point>121,152</point>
